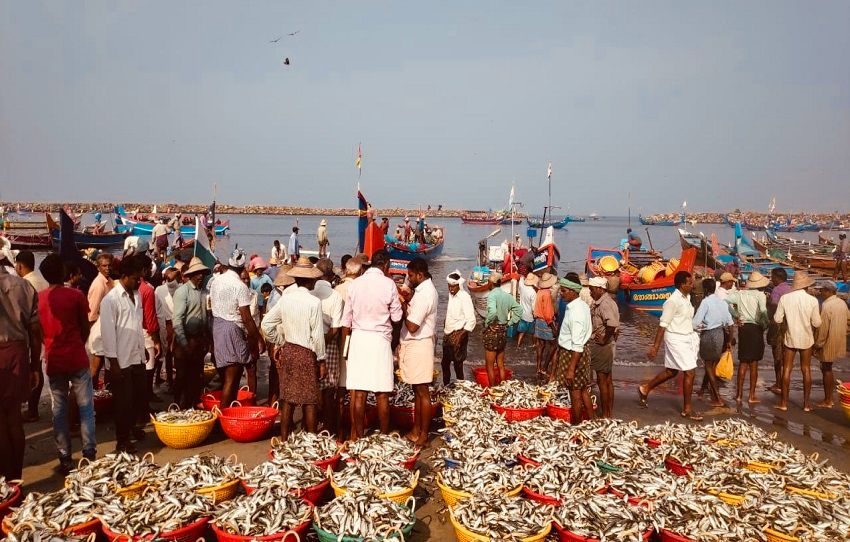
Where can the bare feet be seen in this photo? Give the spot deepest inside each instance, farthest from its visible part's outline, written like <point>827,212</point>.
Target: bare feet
<point>413,436</point>
<point>642,397</point>
<point>717,404</point>
<point>782,408</point>
<point>753,401</point>
<point>774,389</point>
<point>825,404</point>
<point>807,408</point>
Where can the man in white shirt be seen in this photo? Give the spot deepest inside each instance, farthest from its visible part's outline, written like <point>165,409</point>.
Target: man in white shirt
<point>164,297</point>
<point>236,340</point>
<point>416,351</point>
<point>527,296</point>
<point>681,343</point>
<point>460,321</point>
<point>124,349</point>
<point>800,311</point>
<point>572,364</point>
<point>727,284</point>
<point>295,326</point>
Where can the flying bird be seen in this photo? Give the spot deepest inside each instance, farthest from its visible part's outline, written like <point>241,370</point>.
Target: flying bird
<point>293,33</point>
<point>275,41</point>
<point>286,61</point>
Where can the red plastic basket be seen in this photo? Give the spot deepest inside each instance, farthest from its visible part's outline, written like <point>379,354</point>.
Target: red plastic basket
<point>247,423</point>
<point>301,532</point>
<point>527,460</point>
<point>323,464</point>
<point>677,468</point>
<point>634,501</point>
<point>410,464</point>
<point>518,414</point>
<point>652,442</point>
<point>483,380</point>
<point>213,398</point>
<point>559,413</point>
<point>11,501</point>
<point>402,417</point>
<point>669,536</point>
<point>80,529</point>
<point>189,533</point>
<point>542,499</point>
<point>569,536</point>
<point>315,495</point>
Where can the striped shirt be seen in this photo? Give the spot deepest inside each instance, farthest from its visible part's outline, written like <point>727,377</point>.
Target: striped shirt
<point>296,319</point>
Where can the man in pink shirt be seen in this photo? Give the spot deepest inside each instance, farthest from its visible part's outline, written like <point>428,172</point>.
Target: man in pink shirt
<point>100,286</point>
<point>371,305</point>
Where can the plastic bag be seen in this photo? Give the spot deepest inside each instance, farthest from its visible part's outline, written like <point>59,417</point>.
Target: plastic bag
<point>725,370</point>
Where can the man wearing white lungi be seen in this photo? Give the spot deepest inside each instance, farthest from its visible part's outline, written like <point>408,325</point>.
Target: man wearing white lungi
<point>681,343</point>
<point>371,305</point>
<point>416,352</point>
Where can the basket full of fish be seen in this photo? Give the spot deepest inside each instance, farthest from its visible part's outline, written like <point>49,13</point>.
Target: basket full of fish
<point>173,513</point>
<point>479,476</point>
<point>247,423</point>
<point>299,476</point>
<point>602,516</point>
<point>462,394</point>
<point>518,400</point>
<point>181,429</point>
<point>10,495</point>
<point>268,514</point>
<point>499,517</point>
<point>122,474</point>
<point>551,482</point>
<point>60,512</point>
<point>401,405</point>
<point>319,448</point>
<point>356,517</point>
<point>392,447</point>
<point>208,475</point>
<point>390,480</point>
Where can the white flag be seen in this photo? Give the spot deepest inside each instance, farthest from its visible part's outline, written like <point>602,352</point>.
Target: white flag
<point>684,204</point>
<point>511,198</point>
<point>549,171</point>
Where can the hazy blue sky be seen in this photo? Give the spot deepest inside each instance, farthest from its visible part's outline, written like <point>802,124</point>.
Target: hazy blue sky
<point>720,103</point>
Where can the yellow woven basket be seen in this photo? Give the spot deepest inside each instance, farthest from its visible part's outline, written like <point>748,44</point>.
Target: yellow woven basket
<point>133,490</point>
<point>183,435</point>
<point>758,466</point>
<point>453,496</point>
<point>465,535</point>
<point>222,492</point>
<point>776,536</point>
<point>400,497</point>
<point>822,495</point>
<point>729,498</point>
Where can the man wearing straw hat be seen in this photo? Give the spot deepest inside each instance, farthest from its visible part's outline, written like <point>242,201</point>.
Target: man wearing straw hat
<point>749,310</point>
<point>295,326</point>
<point>189,320</point>
<point>831,343</point>
<point>681,344</point>
<point>799,310</point>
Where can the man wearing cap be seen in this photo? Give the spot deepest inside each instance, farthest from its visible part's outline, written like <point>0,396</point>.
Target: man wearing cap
<point>416,351</point>
<point>841,255</point>
<point>100,286</point>
<point>605,318</point>
<point>502,311</point>
<point>20,362</point>
<point>460,321</point>
<point>332,304</point>
<point>322,238</point>
<point>681,344</point>
<point>190,327</point>
<point>727,284</point>
<point>295,326</point>
<point>572,365</point>
<point>544,322</point>
<point>831,342</point>
<point>294,246</point>
<point>371,306</point>
<point>236,340</point>
<point>749,310</point>
<point>799,310</point>
<point>164,296</point>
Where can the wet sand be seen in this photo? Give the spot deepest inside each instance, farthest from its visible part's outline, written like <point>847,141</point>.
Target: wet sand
<point>826,432</point>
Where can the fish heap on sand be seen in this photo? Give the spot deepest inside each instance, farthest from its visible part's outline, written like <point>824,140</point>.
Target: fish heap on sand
<point>615,481</point>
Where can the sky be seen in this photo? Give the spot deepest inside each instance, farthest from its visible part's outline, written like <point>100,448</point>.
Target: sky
<point>636,104</point>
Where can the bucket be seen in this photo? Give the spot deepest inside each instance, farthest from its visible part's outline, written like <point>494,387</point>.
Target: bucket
<point>609,263</point>
<point>648,273</point>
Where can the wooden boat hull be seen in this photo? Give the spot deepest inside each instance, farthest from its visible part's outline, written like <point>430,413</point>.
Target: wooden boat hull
<point>29,241</point>
<point>92,240</point>
<point>398,251</point>
<point>539,223</point>
<point>822,262</point>
<point>511,221</point>
<point>484,220</point>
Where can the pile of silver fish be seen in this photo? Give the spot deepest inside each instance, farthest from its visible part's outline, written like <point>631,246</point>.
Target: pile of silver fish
<point>561,398</point>
<point>384,476</point>
<point>701,516</point>
<point>559,479</point>
<point>603,516</point>
<point>188,416</point>
<point>158,511</point>
<point>55,511</point>
<point>403,394</point>
<point>6,489</point>
<point>502,518</point>
<point>266,511</point>
<point>518,394</point>
<point>109,473</point>
<point>392,447</point>
<point>464,394</point>
<point>364,515</point>
<point>102,393</point>
<point>649,484</point>
<point>200,471</point>
<point>291,474</point>
<point>476,475</point>
<point>44,535</point>
<point>306,446</point>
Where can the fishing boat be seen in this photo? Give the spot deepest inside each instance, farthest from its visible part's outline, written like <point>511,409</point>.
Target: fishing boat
<point>409,251</point>
<point>28,240</point>
<point>511,221</point>
<point>483,218</point>
<point>143,228</point>
<point>536,222</point>
<point>643,288</point>
<point>88,239</point>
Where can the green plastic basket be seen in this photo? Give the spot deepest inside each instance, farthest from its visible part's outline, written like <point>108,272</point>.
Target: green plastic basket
<point>607,467</point>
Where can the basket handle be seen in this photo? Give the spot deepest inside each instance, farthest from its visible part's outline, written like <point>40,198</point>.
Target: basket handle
<point>235,402</point>
<point>275,442</point>
<point>215,410</point>
<point>145,457</point>
<point>79,463</point>
<point>245,388</point>
<point>411,506</point>
<point>814,457</point>
<point>322,433</point>
<point>173,407</point>
<point>276,406</point>
<point>392,530</point>
<point>211,396</point>
<point>290,532</point>
<point>232,459</point>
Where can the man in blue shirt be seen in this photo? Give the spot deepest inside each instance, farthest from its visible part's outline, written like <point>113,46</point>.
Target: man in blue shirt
<point>714,323</point>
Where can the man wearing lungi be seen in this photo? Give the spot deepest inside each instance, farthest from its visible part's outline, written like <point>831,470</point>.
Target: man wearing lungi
<point>416,352</point>
<point>681,343</point>
<point>371,305</point>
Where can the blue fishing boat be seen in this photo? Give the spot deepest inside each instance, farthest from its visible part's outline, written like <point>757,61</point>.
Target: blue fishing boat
<point>409,251</point>
<point>539,223</point>
<point>144,228</point>
<point>103,241</point>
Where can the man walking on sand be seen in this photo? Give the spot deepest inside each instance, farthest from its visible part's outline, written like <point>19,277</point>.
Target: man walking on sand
<point>799,311</point>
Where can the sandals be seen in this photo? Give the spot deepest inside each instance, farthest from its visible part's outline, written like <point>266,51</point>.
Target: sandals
<point>642,398</point>
<point>692,416</point>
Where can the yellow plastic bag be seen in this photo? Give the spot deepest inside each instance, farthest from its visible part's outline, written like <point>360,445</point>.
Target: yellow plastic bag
<point>724,366</point>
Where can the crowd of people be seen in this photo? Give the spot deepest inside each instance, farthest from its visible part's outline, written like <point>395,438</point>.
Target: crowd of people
<point>335,335</point>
